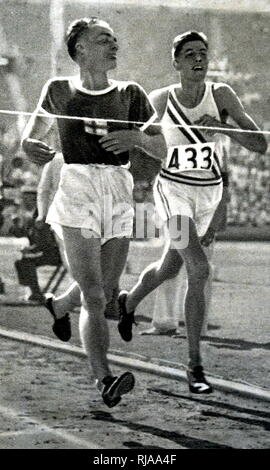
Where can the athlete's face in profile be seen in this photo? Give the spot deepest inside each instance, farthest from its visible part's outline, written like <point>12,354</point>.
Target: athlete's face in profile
<point>97,49</point>
<point>192,61</point>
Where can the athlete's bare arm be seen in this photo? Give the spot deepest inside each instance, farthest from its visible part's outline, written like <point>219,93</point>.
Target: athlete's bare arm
<point>35,131</point>
<point>229,103</point>
<point>150,140</point>
<point>121,141</point>
<point>158,99</point>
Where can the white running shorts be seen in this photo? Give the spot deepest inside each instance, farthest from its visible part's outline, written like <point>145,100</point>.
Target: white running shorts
<point>197,202</point>
<point>98,199</point>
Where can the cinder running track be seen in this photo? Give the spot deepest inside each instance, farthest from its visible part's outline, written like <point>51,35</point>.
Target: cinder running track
<point>48,401</point>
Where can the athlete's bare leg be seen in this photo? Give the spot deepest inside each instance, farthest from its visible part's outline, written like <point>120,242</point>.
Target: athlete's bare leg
<point>113,259</point>
<point>168,307</point>
<point>197,273</point>
<point>154,275</point>
<point>84,258</point>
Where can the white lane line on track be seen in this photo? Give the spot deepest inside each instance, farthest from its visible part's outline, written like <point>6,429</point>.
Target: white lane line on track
<point>40,427</point>
<point>17,433</point>
<point>145,366</point>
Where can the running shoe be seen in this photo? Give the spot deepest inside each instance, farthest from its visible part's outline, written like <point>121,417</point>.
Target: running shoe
<point>115,387</point>
<point>126,319</point>
<point>197,381</point>
<point>61,326</point>
<point>36,298</point>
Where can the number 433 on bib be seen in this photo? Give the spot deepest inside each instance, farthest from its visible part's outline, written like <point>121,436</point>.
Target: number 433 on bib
<point>191,157</point>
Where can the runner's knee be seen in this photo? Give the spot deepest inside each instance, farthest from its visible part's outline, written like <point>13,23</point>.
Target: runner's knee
<point>93,297</point>
<point>160,272</point>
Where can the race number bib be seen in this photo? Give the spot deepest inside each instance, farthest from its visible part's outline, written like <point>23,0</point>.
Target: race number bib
<point>95,127</point>
<point>190,157</point>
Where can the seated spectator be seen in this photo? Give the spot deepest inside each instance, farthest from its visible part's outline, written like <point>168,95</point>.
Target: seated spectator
<point>42,251</point>
<point>8,213</point>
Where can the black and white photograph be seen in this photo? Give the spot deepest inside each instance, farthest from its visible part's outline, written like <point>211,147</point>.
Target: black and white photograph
<point>134,228</point>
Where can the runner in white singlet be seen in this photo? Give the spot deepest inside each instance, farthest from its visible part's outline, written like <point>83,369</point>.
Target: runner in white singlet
<point>189,185</point>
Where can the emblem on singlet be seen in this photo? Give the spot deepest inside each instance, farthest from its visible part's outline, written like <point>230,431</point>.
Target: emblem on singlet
<point>95,127</point>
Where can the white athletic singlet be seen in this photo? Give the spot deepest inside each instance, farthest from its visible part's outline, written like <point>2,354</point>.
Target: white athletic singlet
<point>192,157</point>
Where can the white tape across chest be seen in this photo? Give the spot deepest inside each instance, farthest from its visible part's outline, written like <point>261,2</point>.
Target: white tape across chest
<point>197,156</point>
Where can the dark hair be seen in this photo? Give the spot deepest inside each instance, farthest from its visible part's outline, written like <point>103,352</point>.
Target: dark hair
<point>76,29</point>
<point>188,36</point>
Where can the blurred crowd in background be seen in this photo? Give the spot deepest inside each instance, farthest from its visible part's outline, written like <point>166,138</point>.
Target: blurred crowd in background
<point>244,68</point>
<point>249,186</point>
<point>18,182</point>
